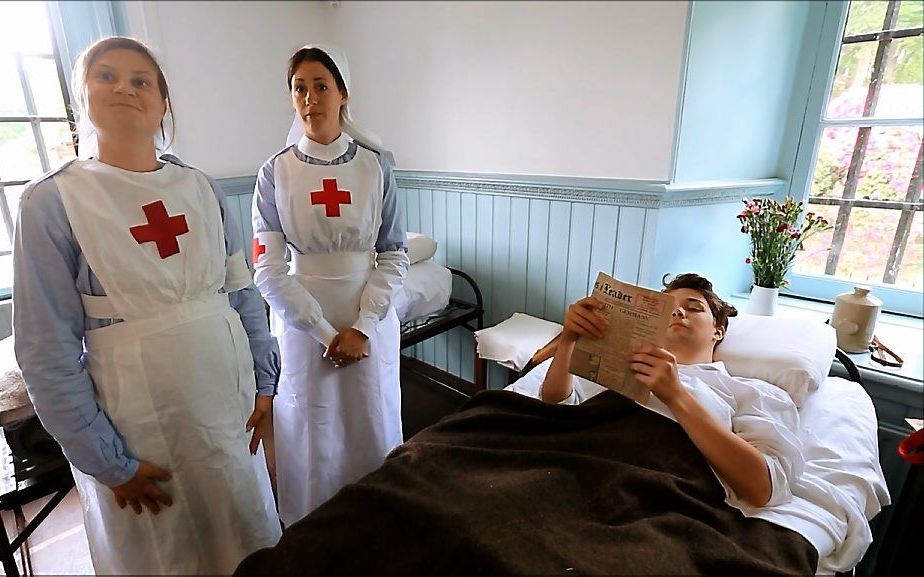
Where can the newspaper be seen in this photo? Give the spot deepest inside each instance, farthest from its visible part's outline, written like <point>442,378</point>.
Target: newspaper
<point>635,315</point>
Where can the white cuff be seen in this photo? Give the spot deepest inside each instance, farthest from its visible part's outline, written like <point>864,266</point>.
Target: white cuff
<point>324,332</point>
<point>366,323</point>
<point>237,275</point>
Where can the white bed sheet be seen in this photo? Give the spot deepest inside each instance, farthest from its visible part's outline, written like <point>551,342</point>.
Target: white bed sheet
<point>426,290</point>
<point>842,486</point>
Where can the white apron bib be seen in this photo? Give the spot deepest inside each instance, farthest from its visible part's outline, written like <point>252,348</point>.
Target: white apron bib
<point>175,378</point>
<point>333,426</point>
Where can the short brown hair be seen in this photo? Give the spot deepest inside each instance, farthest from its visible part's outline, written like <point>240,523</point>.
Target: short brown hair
<point>94,51</point>
<point>721,310</point>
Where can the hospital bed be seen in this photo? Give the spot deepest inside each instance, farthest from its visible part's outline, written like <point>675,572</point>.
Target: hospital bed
<point>509,484</point>
<point>426,306</point>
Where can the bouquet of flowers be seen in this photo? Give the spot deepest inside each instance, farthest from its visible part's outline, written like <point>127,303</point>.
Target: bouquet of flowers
<point>776,235</point>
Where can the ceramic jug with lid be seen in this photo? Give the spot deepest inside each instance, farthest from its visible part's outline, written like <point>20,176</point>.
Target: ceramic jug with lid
<point>854,319</point>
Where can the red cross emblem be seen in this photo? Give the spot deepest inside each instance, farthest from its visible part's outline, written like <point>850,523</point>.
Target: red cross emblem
<point>258,249</point>
<point>161,229</point>
<point>330,197</point>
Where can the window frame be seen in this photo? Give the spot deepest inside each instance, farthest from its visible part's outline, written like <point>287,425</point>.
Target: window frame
<point>829,43</point>
<point>35,120</point>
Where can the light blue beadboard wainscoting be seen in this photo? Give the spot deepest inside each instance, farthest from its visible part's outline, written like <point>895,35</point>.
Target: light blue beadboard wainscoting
<point>535,244</point>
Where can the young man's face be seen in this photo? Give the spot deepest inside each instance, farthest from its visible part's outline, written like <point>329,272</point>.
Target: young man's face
<point>692,324</point>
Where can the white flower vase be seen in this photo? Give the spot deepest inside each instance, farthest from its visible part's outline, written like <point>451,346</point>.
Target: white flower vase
<point>763,301</point>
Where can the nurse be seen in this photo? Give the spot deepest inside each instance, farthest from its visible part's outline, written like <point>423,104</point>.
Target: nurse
<point>139,332</point>
<point>330,199</point>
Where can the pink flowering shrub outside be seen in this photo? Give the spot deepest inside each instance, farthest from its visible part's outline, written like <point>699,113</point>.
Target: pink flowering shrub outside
<point>884,175</point>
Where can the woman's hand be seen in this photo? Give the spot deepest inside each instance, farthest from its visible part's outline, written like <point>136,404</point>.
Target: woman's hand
<point>584,318</point>
<point>261,422</point>
<point>142,490</point>
<point>656,368</point>
<point>348,346</point>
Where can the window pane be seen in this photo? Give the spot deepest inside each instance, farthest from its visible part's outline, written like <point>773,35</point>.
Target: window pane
<point>12,195</point>
<point>58,143</point>
<point>865,16</point>
<point>891,152</point>
<point>6,271</point>
<point>911,15</point>
<point>814,254</point>
<point>24,27</point>
<point>911,272</point>
<point>901,94</point>
<point>46,88</point>
<point>851,78</point>
<point>834,154</point>
<point>863,258</point>
<point>19,159</point>
<point>889,162</point>
<point>12,102</point>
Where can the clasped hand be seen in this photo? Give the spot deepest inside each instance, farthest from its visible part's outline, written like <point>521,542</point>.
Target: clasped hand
<point>142,490</point>
<point>654,366</point>
<point>347,347</point>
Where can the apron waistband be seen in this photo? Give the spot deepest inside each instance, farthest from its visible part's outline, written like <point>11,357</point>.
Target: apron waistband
<point>161,319</point>
<point>332,264</point>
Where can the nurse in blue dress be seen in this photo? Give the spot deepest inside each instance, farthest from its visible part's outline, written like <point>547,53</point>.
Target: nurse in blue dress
<point>329,200</point>
<point>139,333</point>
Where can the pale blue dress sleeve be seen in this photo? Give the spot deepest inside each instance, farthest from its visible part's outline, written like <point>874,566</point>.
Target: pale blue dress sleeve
<point>250,306</point>
<point>49,325</point>
<point>392,235</point>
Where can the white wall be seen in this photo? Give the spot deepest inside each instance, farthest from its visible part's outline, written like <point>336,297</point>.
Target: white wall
<point>563,88</point>
<point>226,64</point>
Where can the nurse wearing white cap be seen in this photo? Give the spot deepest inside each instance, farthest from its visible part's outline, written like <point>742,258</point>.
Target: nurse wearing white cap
<point>329,197</point>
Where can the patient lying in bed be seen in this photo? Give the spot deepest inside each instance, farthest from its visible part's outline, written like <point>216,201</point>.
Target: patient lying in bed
<point>746,428</point>
<point>511,484</point>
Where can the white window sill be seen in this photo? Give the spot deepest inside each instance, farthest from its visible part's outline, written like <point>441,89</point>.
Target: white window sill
<point>904,335</point>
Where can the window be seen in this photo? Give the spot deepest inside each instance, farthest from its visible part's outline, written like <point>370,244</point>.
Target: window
<point>866,173</point>
<point>36,125</point>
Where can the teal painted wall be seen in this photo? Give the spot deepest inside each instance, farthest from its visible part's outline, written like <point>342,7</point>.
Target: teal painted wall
<point>528,255</point>
<point>705,240</point>
<point>743,63</point>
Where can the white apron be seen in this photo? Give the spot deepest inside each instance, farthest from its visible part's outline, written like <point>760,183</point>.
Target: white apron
<point>332,426</point>
<point>175,378</point>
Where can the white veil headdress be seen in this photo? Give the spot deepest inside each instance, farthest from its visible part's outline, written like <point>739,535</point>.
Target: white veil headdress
<point>364,137</point>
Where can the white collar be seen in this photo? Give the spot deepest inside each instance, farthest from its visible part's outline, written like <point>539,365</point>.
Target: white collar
<point>325,152</point>
<point>713,366</point>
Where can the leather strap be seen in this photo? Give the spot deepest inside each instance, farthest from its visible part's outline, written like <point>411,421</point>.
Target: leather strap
<point>881,353</point>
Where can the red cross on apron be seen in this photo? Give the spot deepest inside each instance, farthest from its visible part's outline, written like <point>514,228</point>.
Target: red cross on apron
<point>258,249</point>
<point>330,197</point>
<point>161,229</point>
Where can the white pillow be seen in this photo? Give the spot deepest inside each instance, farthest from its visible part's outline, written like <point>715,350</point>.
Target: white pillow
<point>513,342</point>
<point>420,247</point>
<point>426,290</point>
<point>793,354</point>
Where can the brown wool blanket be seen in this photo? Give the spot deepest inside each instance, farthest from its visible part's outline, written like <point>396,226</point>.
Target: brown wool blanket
<point>510,485</point>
